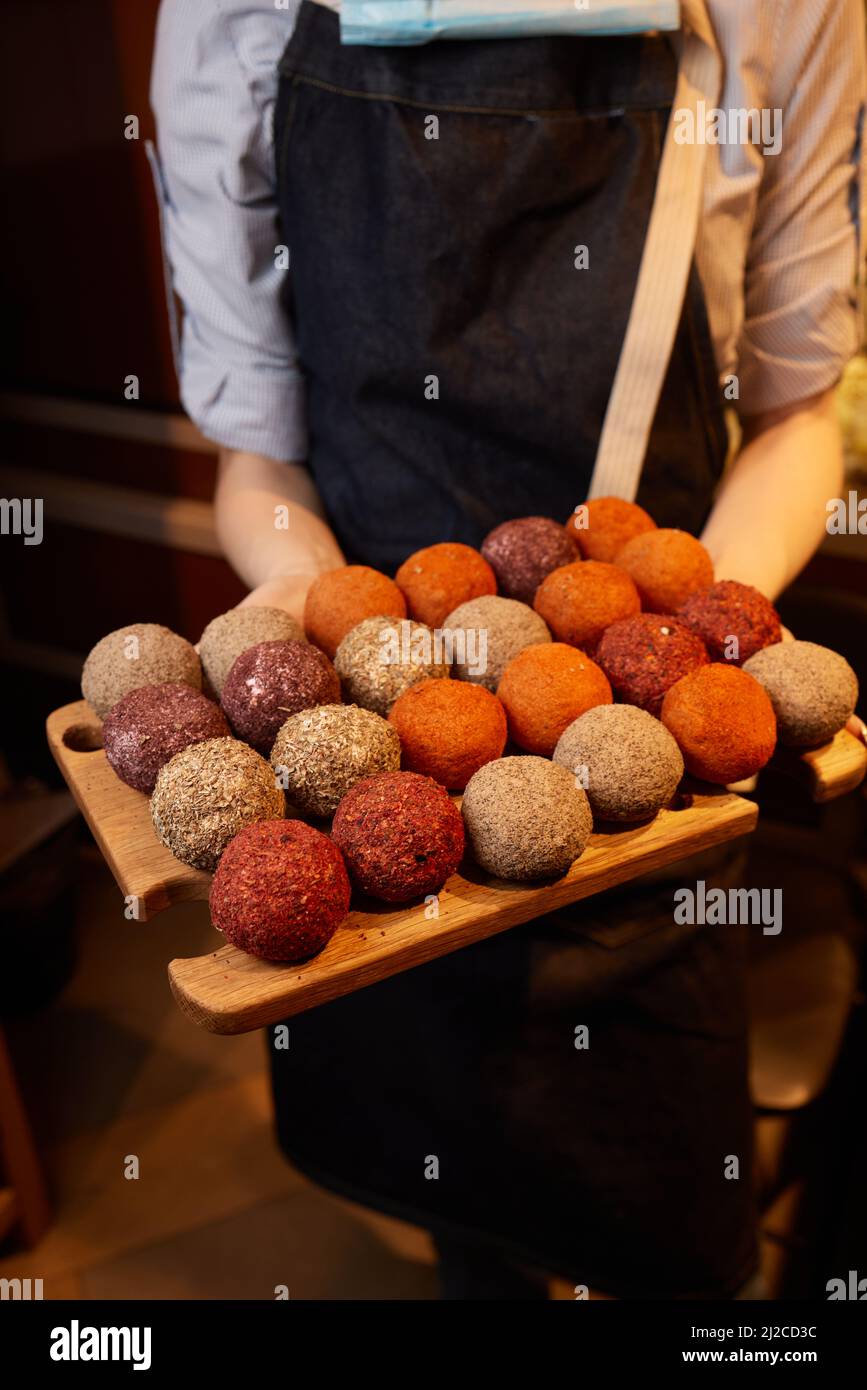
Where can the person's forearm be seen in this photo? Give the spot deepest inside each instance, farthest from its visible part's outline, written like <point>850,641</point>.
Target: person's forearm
<point>270,520</point>
<point>770,515</point>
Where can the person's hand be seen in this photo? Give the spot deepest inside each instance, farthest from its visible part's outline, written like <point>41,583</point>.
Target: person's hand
<point>286,591</point>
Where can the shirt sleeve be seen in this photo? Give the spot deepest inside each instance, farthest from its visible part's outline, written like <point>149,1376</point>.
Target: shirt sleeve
<point>213,89</point>
<point>803,267</point>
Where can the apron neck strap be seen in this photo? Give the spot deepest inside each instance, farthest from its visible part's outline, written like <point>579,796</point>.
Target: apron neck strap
<point>664,271</point>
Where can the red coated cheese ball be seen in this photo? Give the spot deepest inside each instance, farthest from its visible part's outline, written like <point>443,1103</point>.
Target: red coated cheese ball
<point>643,656</point>
<point>602,526</point>
<point>401,835</point>
<point>280,890</point>
<point>544,689</point>
<point>579,601</point>
<point>340,599</point>
<point>522,552</point>
<point>153,723</point>
<point>722,721</point>
<point>437,579</point>
<point>272,680</point>
<point>733,620</point>
<point>667,566</point>
<point>448,730</point>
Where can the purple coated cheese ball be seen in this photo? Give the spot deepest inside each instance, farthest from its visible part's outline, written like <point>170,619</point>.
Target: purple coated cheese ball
<point>148,726</point>
<point>524,552</point>
<point>272,680</point>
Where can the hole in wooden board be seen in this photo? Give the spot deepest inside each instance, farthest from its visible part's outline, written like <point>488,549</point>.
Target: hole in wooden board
<point>83,738</point>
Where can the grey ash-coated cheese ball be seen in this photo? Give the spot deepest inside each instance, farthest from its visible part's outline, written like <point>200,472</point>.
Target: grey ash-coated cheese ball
<point>381,658</point>
<point>133,656</point>
<point>207,793</point>
<point>488,633</point>
<point>628,762</point>
<point>226,637</point>
<point>319,754</point>
<point>526,818</point>
<point>812,689</point>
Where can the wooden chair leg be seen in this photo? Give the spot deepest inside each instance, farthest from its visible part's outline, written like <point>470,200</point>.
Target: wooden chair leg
<point>24,1202</point>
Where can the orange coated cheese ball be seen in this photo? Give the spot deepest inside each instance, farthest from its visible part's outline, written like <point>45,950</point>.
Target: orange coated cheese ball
<point>436,580</point>
<point>603,525</point>
<point>579,601</point>
<point>448,730</point>
<point>723,722</point>
<point>666,566</point>
<point>544,689</point>
<point>340,599</point>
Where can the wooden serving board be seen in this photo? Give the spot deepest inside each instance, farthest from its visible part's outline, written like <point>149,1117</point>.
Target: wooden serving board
<point>228,991</point>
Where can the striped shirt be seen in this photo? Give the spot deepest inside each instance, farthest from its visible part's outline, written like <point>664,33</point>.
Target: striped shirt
<point>778,247</point>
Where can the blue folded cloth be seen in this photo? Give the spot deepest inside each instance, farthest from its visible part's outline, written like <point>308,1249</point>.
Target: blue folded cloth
<point>420,21</point>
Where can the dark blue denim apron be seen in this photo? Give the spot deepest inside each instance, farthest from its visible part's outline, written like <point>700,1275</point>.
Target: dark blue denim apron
<point>458,366</point>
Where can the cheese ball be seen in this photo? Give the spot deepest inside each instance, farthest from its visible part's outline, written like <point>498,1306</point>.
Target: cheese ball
<point>723,722</point>
<point>435,580</point>
<point>522,552</point>
<point>401,835</point>
<point>133,656</point>
<point>281,890</point>
<point>150,725</point>
<point>644,656</point>
<point>488,633</point>
<point>733,620</point>
<point>226,637</point>
<point>627,762</point>
<point>272,680</point>
<point>526,819</point>
<point>207,793</point>
<point>340,599</point>
<point>544,689</point>
<point>319,754</point>
<point>382,657</point>
<point>666,566</point>
<point>602,526</point>
<point>578,602</point>
<point>448,730</point>
<point>813,690</point>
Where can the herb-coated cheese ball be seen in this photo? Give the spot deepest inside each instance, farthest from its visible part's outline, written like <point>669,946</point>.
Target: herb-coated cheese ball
<point>544,689</point>
<point>133,656</point>
<point>382,657</point>
<point>733,620</point>
<point>526,818</point>
<point>666,566</point>
<point>448,730</point>
<point>272,680</point>
<point>435,580</point>
<point>208,792</point>
<point>281,890</point>
<point>578,602</point>
<point>813,690</point>
<point>602,526</point>
<point>627,761</point>
<point>226,637</point>
<point>488,633</point>
<point>150,725</point>
<point>401,835</point>
<point>723,722</point>
<point>523,552</point>
<point>319,754</point>
<point>340,599</point>
<point>643,656</point>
